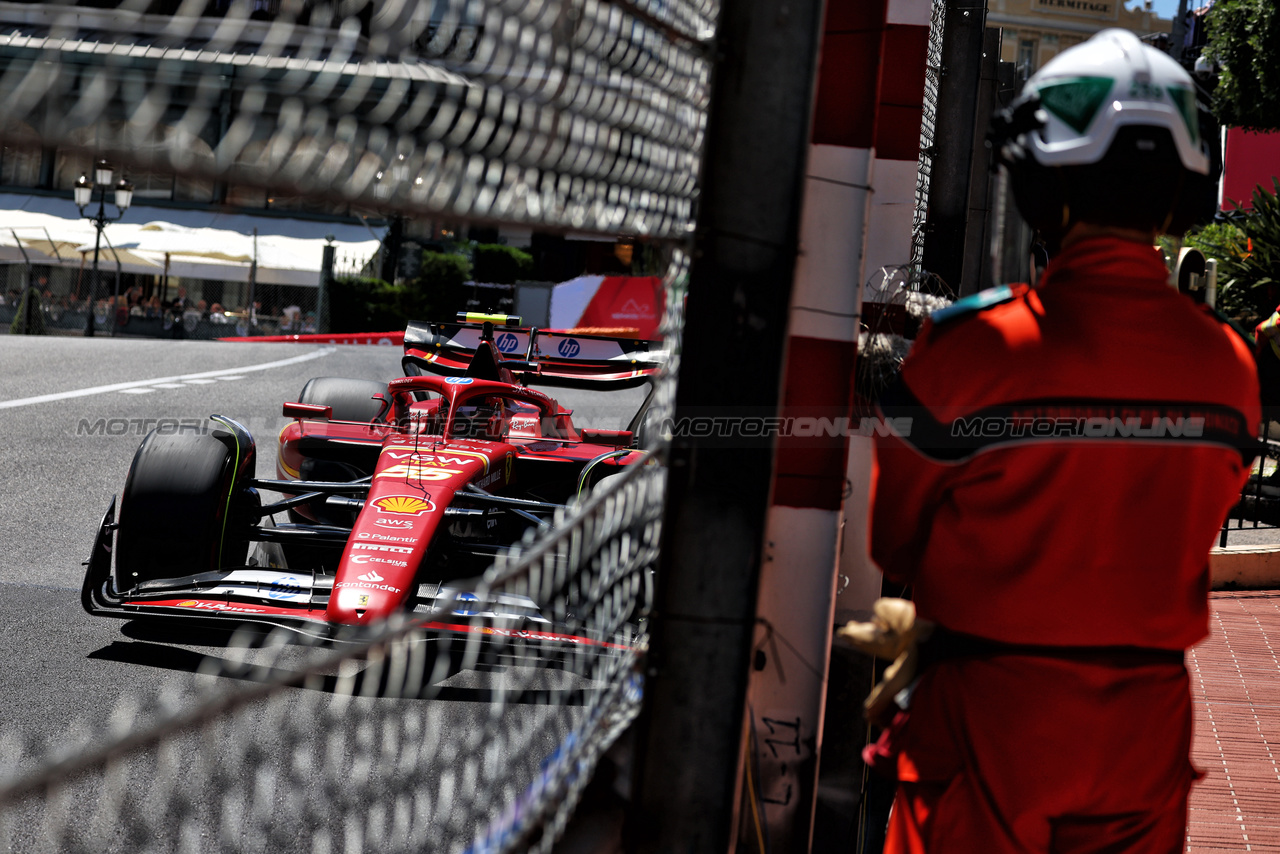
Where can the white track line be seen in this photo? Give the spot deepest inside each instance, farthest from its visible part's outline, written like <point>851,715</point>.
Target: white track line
<point>103,389</point>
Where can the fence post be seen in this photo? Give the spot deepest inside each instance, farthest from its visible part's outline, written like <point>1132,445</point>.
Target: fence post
<point>945,232</point>
<point>326,278</point>
<point>690,739</point>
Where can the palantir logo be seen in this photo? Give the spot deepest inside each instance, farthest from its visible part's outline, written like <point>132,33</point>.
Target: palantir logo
<point>507,342</point>
<point>569,348</point>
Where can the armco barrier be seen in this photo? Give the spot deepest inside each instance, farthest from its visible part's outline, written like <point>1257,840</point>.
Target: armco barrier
<point>386,339</point>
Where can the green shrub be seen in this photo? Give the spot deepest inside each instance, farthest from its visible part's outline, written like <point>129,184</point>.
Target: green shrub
<point>1248,254</point>
<point>439,291</point>
<point>361,304</point>
<point>501,265</point>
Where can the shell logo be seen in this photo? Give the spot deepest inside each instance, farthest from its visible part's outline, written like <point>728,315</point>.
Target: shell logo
<point>403,504</point>
<point>187,604</point>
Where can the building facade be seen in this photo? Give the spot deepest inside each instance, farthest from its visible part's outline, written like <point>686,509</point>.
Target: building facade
<point>1035,31</point>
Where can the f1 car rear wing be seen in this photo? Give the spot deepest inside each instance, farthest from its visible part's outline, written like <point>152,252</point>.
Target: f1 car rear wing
<point>545,358</point>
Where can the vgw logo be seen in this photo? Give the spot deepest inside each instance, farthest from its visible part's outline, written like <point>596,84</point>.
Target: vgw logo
<point>569,348</point>
<point>507,342</point>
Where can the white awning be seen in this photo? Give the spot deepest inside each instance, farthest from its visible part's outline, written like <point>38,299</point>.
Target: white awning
<point>208,245</point>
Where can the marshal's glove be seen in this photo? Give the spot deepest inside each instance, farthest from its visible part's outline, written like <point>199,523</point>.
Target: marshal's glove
<point>893,634</point>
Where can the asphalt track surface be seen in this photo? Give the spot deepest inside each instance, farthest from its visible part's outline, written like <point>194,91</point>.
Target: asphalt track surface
<point>72,412</point>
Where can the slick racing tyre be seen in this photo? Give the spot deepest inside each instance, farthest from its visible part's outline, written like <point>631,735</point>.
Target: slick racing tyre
<point>351,400</point>
<point>182,511</point>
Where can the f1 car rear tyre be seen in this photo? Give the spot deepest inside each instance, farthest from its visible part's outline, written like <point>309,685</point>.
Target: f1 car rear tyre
<point>181,512</point>
<point>351,400</point>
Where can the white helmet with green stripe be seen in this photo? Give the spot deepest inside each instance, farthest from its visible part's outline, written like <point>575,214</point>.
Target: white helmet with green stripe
<point>1109,131</point>
<point>1113,80</point>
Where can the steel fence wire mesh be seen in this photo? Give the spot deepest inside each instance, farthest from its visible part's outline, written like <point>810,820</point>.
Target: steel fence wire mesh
<point>928,123</point>
<point>562,115</point>
<point>568,114</point>
<point>392,742</point>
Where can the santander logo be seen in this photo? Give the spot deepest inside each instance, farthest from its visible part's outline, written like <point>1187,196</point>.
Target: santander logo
<point>371,575</point>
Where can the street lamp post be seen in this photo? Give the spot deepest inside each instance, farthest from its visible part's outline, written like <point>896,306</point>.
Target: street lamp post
<point>83,191</point>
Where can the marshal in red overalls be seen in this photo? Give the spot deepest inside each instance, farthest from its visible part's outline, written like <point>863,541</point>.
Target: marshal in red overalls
<point>1073,452</point>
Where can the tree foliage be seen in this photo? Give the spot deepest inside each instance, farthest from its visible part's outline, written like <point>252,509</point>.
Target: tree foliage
<point>440,287</point>
<point>501,265</point>
<point>1248,252</point>
<point>1244,39</point>
<point>361,304</point>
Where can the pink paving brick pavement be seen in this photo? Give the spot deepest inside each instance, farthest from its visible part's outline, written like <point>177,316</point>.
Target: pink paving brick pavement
<point>1235,686</point>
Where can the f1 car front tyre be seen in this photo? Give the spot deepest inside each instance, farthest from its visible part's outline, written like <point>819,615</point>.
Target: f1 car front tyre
<point>351,399</point>
<point>182,511</point>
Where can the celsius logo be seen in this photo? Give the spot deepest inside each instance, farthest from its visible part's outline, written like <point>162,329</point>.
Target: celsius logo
<point>568,348</point>
<point>371,575</point>
<point>507,342</point>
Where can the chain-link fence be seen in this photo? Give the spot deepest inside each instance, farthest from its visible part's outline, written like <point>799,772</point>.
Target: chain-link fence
<point>928,122</point>
<point>565,115</point>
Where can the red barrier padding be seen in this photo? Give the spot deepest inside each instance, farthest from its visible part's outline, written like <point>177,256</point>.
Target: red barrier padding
<point>385,339</point>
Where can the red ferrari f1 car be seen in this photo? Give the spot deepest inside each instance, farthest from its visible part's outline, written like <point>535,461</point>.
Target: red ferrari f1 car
<point>390,491</point>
